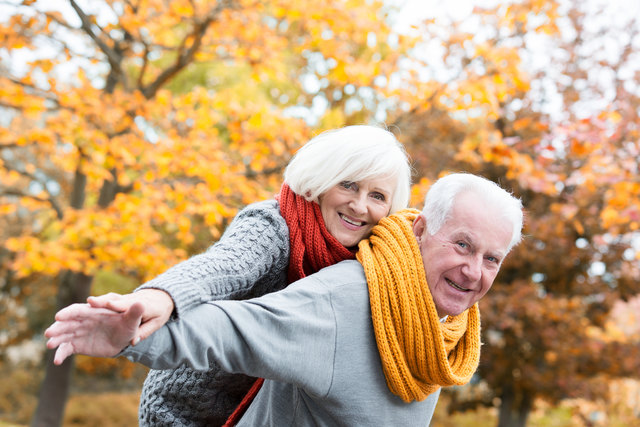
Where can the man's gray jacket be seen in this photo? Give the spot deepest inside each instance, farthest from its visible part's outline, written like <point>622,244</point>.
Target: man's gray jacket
<point>314,344</point>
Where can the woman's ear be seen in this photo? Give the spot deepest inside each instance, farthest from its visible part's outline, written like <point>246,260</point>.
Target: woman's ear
<point>419,227</point>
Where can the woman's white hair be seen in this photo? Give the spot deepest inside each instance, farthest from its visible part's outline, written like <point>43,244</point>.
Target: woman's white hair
<point>352,153</point>
<point>440,197</point>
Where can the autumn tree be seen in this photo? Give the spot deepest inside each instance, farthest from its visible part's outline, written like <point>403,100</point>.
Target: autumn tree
<point>573,162</point>
<point>134,130</point>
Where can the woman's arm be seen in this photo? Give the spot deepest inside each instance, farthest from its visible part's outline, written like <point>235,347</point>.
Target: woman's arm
<point>253,249</point>
<point>254,245</point>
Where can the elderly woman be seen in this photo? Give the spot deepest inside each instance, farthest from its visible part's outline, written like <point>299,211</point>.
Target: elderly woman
<point>336,188</point>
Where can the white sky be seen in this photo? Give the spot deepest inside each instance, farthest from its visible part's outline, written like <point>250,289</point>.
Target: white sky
<point>458,9</point>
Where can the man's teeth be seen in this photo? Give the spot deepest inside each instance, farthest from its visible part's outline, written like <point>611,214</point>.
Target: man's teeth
<point>350,221</point>
<point>453,284</point>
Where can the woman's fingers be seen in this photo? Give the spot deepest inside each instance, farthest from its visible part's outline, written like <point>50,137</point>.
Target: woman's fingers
<point>111,301</point>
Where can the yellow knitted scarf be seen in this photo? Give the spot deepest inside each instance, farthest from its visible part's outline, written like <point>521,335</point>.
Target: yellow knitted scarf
<point>419,353</point>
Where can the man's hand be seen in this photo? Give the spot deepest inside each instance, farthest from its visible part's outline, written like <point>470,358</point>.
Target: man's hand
<point>157,307</point>
<point>82,329</point>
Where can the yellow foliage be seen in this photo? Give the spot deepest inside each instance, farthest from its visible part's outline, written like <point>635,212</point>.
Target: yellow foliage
<point>418,193</point>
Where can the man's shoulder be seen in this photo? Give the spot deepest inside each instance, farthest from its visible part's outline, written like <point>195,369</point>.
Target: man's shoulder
<point>344,273</point>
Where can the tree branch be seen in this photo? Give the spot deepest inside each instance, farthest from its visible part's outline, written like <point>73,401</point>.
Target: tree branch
<point>113,57</point>
<point>50,200</point>
<point>41,93</point>
<point>185,57</point>
<point>145,64</point>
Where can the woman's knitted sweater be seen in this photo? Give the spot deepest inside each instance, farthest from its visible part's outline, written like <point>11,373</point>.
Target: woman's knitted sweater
<point>249,260</point>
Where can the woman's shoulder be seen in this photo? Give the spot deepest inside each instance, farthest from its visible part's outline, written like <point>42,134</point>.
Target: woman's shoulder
<point>270,206</point>
<point>266,209</point>
<point>259,217</point>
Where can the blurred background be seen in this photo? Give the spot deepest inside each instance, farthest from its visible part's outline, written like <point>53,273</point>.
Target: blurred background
<point>132,131</point>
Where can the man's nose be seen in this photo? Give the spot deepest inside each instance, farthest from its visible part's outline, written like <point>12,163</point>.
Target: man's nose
<point>472,267</point>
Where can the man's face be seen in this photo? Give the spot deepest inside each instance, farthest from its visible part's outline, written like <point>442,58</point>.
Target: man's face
<point>463,258</point>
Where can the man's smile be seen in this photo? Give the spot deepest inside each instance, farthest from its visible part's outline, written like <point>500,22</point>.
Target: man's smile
<point>456,286</point>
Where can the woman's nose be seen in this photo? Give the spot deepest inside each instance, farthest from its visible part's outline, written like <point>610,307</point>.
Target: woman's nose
<point>358,204</point>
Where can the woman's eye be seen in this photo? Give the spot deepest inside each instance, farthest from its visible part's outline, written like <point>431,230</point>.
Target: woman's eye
<point>346,184</point>
<point>378,196</point>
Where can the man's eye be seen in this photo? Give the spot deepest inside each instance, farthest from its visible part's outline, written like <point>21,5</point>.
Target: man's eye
<point>462,245</point>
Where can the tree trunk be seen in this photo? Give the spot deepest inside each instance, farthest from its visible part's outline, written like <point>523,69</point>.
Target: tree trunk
<point>74,287</point>
<point>514,409</point>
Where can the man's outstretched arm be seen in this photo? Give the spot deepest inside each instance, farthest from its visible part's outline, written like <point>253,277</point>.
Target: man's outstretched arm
<point>82,329</point>
<point>288,336</point>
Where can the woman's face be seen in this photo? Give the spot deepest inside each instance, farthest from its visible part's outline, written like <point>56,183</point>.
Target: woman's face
<point>351,209</point>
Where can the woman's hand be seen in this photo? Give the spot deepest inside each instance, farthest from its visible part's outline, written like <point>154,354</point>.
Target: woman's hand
<point>82,329</point>
<point>157,307</point>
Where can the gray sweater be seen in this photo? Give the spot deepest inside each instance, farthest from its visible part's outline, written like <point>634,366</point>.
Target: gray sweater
<point>313,342</point>
<point>249,260</point>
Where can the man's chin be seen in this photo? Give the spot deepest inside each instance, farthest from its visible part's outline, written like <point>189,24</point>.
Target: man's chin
<point>450,309</point>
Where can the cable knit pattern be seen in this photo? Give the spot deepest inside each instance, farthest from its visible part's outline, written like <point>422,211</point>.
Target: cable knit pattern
<point>249,260</point>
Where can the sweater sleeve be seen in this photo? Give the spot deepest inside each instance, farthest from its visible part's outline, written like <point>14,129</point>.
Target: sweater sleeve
<point>255,245</point>
<point>287,336</point>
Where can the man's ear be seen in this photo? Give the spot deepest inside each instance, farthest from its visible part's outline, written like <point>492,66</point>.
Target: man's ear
<point>419,227</point>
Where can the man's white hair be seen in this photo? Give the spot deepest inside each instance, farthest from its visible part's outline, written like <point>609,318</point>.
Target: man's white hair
<point>440,197</point>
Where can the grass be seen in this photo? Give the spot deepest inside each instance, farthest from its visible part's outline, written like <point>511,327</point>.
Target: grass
<point>115,409</point>
<point>103,409</point>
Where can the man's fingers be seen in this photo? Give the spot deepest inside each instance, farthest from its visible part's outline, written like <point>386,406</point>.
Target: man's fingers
<point>59,338</point>
<point>59,328</point>
<point>54,342</point>
<point>64,350</point>
<point>71,312</point>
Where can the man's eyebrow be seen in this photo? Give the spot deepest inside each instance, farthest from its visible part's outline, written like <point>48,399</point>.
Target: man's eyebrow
<point>463,235</point>
<point>499,254</point>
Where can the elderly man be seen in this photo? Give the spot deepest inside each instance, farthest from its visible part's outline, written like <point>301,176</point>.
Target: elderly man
<point>367,342</point>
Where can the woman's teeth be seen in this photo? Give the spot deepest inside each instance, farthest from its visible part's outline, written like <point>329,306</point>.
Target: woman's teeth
<point>350,221</point>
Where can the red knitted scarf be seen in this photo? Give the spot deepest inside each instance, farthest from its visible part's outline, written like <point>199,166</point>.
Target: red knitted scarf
<point>312,248</point>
